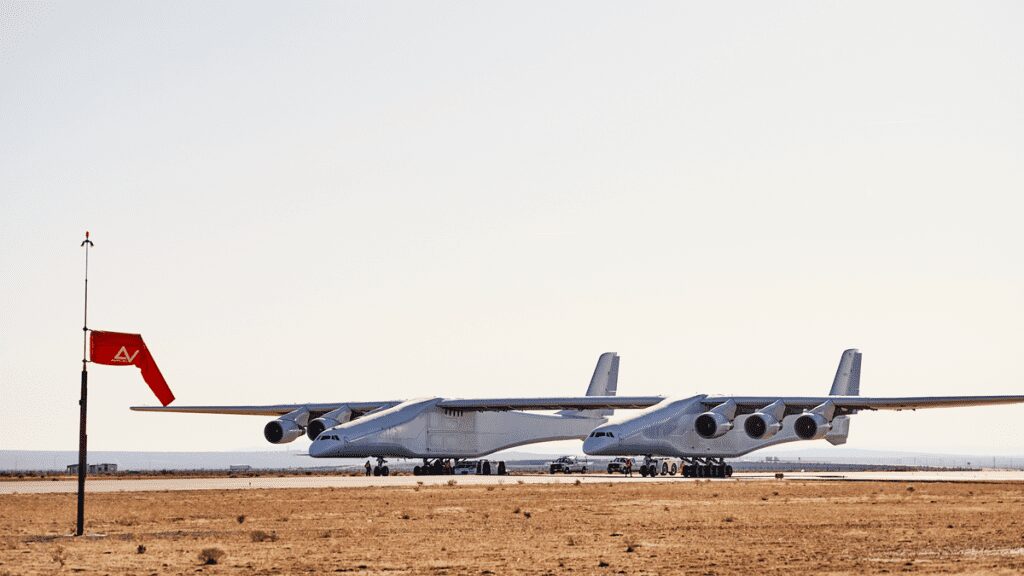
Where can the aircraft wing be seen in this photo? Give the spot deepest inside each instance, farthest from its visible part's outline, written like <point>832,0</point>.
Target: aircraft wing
<point>272,409</point>
<point>478,404</point>
<point>558,403</point>
<point>846,404</point>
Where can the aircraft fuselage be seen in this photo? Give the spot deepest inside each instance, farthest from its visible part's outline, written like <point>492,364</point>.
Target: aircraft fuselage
<point>668,429</point>
<point>421,429</point>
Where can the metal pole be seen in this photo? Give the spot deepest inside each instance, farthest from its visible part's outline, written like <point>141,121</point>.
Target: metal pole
<point>82,438</point>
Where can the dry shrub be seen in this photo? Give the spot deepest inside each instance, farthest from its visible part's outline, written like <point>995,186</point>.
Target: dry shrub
<point>631,545</point>
<point>141,549</point>
<point>211,556</point>
<point>517,510</point>
<point>490,488</point>
<point>527,514</point>
<point>261,536</point>
<point>452,482</point>
<point>728,519</point>
<point>59,556</point>
<point>241,518</point>
<point>578,482</point>
<point>570,541</point>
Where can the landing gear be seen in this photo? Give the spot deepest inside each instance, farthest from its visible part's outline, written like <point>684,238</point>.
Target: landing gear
<point>433,467</point>
<point>650,467</point>
<point>381,469</point>
<point>706,468</point>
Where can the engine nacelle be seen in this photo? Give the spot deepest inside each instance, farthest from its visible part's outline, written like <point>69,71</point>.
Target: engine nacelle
<point>328,421</point>
<point>812,426</point>
<point>712,424</point>
<point>282,431</point>
<point>760,425</point>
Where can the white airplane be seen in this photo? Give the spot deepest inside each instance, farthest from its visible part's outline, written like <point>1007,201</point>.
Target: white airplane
<point>436,429</point>
<point>700,429</point>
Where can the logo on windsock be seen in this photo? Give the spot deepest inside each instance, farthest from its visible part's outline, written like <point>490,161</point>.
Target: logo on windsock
<point>120,349</point>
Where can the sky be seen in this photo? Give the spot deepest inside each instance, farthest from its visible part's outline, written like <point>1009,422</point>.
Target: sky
<point>331,201</point>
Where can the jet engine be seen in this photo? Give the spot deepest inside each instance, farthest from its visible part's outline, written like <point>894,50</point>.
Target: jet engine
<point>287,427</point>
<point>712,424</point>
<point>760,425</point>
<point>812,426</point>
<point>716,421</point>
<point>282,431</point>
<point>328,421</point>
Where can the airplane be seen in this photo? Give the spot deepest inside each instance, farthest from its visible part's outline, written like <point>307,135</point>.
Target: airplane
<point>704,430</point>
<point>436,429</point>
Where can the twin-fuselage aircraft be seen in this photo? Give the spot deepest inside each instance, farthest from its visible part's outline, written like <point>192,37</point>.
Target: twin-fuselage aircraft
<point>702,430</point>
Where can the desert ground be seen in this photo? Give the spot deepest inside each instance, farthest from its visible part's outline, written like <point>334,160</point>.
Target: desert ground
<point>697,527</point>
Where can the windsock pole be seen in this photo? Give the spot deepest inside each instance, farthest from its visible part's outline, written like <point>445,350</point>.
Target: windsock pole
<point>83,464</point>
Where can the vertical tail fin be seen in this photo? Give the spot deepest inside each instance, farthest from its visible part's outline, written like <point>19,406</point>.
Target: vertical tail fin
<point>846,383</point>
<point>604,382</point>
<point>847,380</point>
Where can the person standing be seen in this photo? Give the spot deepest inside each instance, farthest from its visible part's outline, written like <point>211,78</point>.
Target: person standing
<point>629,467</point>
<point>367,466</point>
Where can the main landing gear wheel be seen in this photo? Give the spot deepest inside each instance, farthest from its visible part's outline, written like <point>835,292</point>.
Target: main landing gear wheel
<point>705,468</point>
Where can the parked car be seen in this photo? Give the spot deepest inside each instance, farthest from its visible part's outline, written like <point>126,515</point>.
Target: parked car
<point>568,465</point>
<point>618,465</point>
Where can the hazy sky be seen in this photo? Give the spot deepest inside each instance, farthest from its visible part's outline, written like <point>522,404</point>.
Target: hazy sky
<point>376,200</point>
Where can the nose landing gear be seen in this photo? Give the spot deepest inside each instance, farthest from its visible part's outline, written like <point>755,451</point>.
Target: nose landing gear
<point>381,469</point>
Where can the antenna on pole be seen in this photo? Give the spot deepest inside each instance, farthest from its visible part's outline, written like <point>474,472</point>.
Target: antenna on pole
<point>82,438</point>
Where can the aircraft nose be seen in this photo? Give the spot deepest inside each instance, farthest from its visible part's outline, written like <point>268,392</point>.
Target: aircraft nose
<point>317,448</point>
<point>598,445</point>
<point>321,447</point>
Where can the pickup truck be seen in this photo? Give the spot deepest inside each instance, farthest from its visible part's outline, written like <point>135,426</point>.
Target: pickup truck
<point>618,465</point>
<point>568,465</point>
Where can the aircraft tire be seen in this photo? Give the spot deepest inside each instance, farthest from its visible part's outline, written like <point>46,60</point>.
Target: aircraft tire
<point>728,471</point>
<point>584,470</point>
<point>643,470</point>
<point>384,471</point>
<point>376,470</point>
<point>673,470</point>
<point>487,468</point>
<point>501,468</point>
<point>552,470</point>
<point>686,471</point>
<point>416,471</point>
<point>664,468</point>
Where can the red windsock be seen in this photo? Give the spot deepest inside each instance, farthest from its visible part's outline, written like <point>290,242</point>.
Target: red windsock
<point>119,349</point>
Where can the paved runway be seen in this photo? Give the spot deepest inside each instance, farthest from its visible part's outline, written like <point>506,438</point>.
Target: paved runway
<point>266,482</point>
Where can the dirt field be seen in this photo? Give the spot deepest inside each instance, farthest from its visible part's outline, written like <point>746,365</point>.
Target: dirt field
<point>764,527</point>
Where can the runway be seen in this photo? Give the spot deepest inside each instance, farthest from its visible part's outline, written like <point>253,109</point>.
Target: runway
<point>269,482</point>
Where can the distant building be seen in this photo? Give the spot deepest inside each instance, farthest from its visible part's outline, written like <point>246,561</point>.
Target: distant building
<point>240,468</point>
<point>94,468</point>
